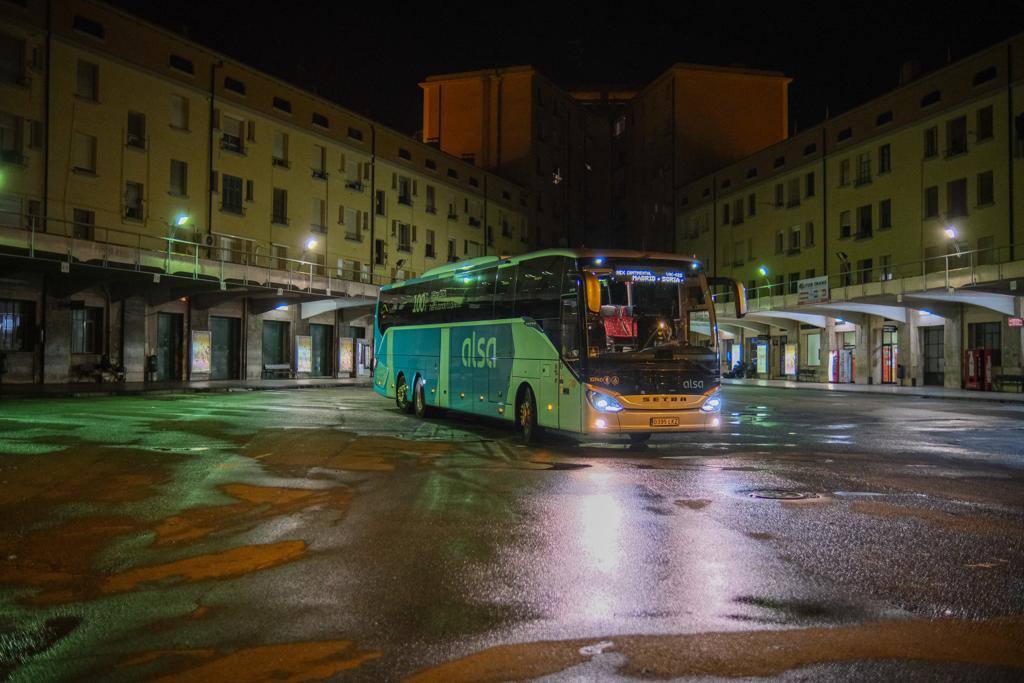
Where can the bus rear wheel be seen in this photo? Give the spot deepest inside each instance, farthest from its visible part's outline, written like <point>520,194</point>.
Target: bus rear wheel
<point>419,401</point>
<point>402,395</point>
<point>526,416</point>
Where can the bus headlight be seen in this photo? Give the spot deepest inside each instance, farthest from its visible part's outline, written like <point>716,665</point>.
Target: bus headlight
<point>712,404</point>
<point>603,403</point>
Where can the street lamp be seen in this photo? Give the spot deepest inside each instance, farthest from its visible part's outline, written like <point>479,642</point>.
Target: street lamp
<point>950,233</point>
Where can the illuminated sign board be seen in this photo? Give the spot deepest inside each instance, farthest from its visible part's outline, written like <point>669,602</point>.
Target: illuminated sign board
<point>639,275</point>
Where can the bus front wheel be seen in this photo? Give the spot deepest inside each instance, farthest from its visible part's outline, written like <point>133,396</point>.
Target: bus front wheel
<point>639,437</point>
<point>402,395</point>
<point>526,415</point>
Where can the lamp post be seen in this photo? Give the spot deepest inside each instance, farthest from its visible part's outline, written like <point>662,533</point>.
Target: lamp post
<point>763,272</point>
<point>180,221</point>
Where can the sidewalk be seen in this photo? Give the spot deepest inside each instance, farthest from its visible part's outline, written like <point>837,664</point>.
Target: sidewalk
<point>79,389</point>
<point>925,392</point>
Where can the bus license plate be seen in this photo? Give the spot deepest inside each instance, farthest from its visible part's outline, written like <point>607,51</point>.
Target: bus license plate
<point>664,421</point>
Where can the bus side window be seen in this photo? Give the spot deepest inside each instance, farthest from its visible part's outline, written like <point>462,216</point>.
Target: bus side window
<point>570,312</point>
<point>538,292</point>
<point>480,297</point>
<point>505,292</point>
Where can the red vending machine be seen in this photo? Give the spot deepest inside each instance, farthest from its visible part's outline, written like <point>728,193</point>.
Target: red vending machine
<point>986,369</point>
<point>972,369</point>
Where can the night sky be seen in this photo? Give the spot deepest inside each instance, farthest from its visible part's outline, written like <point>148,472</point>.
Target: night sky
<point>369,56</point>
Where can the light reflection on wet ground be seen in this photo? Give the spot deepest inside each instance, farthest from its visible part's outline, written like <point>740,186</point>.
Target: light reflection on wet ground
<point>184,535</point>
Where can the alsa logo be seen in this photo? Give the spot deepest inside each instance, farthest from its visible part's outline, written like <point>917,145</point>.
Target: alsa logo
<point>480,352</point>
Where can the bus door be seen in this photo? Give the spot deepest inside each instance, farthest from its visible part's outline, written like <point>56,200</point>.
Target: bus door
<point>570,399</point>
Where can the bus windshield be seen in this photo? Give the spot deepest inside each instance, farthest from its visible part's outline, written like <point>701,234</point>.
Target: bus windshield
<point>650,314</point>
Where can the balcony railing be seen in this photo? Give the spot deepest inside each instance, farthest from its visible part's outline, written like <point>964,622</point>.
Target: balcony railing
<point>354,185</point>
<point>231,143</point>
<point>233,260</point>
<point>280,163</point>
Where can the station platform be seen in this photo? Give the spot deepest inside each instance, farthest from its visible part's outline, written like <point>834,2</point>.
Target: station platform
<point>84,389</point>
<point>888,389</point>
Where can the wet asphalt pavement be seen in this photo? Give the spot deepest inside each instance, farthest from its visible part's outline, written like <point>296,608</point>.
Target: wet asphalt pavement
<point>320,534</point>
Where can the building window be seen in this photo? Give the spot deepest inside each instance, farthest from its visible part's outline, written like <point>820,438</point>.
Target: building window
<point>355,134</point>
<point>931,202</point>
<point>884,159</point>
<point>794,279</point>
<point>844,224</point>
<point>780,242</point>
<point>404,187</point>
<point>35,134</point>
<point>431,206</point>
<point>380,203</point>
<point>844,173</point>
<point>885,214</point>
<point>986,255</point>
<point>883,118</point>
<point>752,204</point>
<point>864,168</point>
<point>404,237</point>
<point>84,226</point>
<point>794,239</point>
<point>179,112</point>
<point>320,120</point>
<point>844,134</point>
<point>809,185</point>
<point>931,142</point>
<point>88,26</point>
<point>404,154</point>
<point>986,189</point>
<point>17,325</point>
<point>136,130</point>
<point>931,98</point>
<point>319,162</point>
<point>985,336</point>
<point>234,85</point>
<point>84,154</point>
<point>779,162</point>
<point>316,215</point>
<point>810,149</point>
<point>780,195</point>
<point>279,213</point>
<point>133,201</point>
<point>737,212</point>
<point>809,234</point>
<point>279,154</point>
<point>179,178</point>
<point>231,134</point>
<point>956,198</point>
<point>956,136</point>
<point>87,81</point>
<point>864,222</point>
<point>725,214</point>
<point>12,60</point>
<point>984,127</point>
<point>231,194</point>
<point>429,248</point>
<point>864,269</point>
<point>181,64</point>
<point>845,278</point>
<point>10,139</point>
<point>282,104</point>
<point>794,193</point>
<point>87,330</point>
<point>885,266</point>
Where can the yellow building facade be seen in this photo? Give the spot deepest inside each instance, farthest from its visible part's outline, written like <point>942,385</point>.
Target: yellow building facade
<point>123,142</point>
<point>910,205</point>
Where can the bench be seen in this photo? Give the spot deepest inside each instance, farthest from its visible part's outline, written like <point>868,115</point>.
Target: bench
<point>1010,379</point>
<point>271,370</point>
<point>806,375</point>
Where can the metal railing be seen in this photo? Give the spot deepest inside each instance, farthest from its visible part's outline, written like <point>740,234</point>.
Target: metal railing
<point>229,259</point>
<point>961,269</point>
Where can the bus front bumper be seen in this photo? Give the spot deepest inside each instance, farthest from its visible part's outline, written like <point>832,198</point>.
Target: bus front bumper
<point>651,421</point>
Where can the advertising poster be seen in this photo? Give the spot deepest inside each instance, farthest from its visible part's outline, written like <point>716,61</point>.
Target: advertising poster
<point>762,358</point>
<point>790,359</point>
<point>201,344</point>
<point>303,353</point>
<point>346,356</point>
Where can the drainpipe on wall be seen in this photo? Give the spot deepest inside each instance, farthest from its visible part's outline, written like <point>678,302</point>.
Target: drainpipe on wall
<point>1009,138</point>
<point>373,200</point>
<point>209,157</point>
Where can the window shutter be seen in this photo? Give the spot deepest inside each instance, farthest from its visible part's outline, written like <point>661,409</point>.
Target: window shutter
<point>216,119</point>
<point>249,190</point>
<point>414,190</point>
<point>366,220</point>
<point>341,214</point>
<point>394,181</point>
<point>213,181</point>
<point>251,136</point>
<point>414,233</point>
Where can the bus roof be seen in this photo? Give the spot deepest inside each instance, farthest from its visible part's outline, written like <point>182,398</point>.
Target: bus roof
<point>434,273</point>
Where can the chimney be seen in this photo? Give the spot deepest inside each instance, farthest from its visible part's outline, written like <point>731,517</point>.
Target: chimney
<point>909,70</point>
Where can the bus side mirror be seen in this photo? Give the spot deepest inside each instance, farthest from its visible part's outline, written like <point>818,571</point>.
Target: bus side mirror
<point>593,292</point>
<point>739,292</point>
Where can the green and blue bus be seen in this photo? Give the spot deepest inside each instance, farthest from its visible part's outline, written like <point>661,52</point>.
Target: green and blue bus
<point>581,341</point>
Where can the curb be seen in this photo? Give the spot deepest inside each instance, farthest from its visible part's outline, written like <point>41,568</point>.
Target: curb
<point>984,396</point>
<point>69,393</point>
